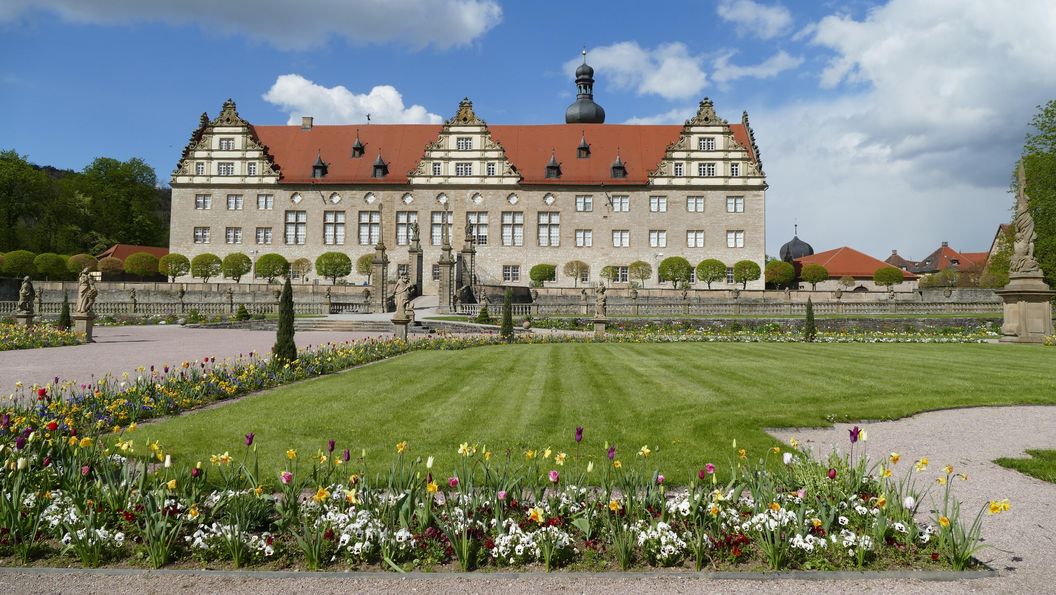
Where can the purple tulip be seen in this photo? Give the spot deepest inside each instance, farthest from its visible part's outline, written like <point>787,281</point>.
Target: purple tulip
<point>5,421</point>
<point>346,455</point>
<point>612,452</point>
<point>196,472</point>
<point>330,446</point>
<point>854,432</point>
<point>659,480</point>
<point>20,443</point>
<point>832,473</point>
<point>579,434</point>
<point>249,439</point>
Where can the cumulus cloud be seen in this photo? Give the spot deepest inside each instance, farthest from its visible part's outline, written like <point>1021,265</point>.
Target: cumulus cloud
<point>337,105</point>
<point>781,61</point>
<point>751,18</point>
<point>292,25</point>
<point>677,115</point>
<point>668,70</point>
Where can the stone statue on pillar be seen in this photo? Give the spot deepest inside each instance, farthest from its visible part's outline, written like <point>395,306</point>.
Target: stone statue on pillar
<point>414,260</point>
<point>380,273</point>
<point>84,318</point>
<point>401,295</point>
<point>24,309</point>
<point>447,271</point>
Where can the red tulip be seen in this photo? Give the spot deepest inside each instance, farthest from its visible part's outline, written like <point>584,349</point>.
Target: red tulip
<point>832,473</point>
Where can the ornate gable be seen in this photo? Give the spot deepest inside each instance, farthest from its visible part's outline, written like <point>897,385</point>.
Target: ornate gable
<point>225,150</point>
<point>464,153</point>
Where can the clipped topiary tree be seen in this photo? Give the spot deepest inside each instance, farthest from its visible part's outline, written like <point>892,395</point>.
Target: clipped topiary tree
<point>174,265</point>
<point>271,265</point>
<point>111,265</point>
<point>810,329</point>
<point>285,350</point>
<point>847,281</point>
<point>640,271</point>
<point>888,276</point>
<point>813,273</point>
<point>483,316</point>
<point>333,266</point>
<point>710,271</point>
<point>300,268</point>
<point>675,269</point>
<point>65,322</point>
<point>576,269</point>
<point>365,266</point>
<point>506,330</point>
<point>50,266</point>
<point>77,263</point>
<point>542,272</point>
<point>236,265</point>
<point>780,273</point>
<point>609,273</point>
<point>19,263</point>
<point>141,264</point>
<point>745,271</point>
<point>242,313</point>
<point>206,266</point>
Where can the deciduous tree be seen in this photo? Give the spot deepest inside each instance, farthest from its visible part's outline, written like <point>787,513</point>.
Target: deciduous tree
<point>333,266</point>
<point>745,271</point>
<point>206,266</point>
<point>710,271</point>
<point>236,265</point>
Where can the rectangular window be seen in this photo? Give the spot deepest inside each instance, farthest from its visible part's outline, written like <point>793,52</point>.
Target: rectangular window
<point>464,143</point>
<point>735,239</point>
<point>584,238</point>
<point>334,227</point>
<point>369,227</point>
<point>199,168</point>
<point>203,202</point>
<point>227,144</point>
<point>404,221</point>
<point>233,235</point>
<point>437,220</point>
<point>734,204</point>
<point>512,228</point>
<point>706,143</point>
<point>491,168</point>
<point>201,235</point>
<point>251,168</point>
<point>296,227</point>
<point>735,169</point>
<point>225,168</point>
<point>729,274</point>
<point>436,168</point>
<point>549,229</point>
<point>265,202</point>
<point>584,275</point>
<point>263,235</point>
<point>584,203</point>
<point>622,274</point>
<point>464,168</point>
<point>478,226</point>
<point>706,170</point>
<point>695,204</point>
<point>621,238</point>
<point>234,202</point>
<point>436,272</point>
<point>511,273</point>
<point>657,204</point>
<point>695,238</point>
<point>658,238</point>
<point>680,169</point>
<point>621,204</point>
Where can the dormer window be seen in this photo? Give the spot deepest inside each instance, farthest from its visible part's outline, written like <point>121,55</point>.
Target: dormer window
<point>357,147</point>
<point>618,169</point>
<point>583,150</point>
<point>319,168</point>
<point>553,168</point>
<point>381,169</point>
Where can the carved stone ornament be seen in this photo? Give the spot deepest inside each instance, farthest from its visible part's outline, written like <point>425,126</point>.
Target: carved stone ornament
<point>25,297</point>
<point>1023,261</point>
<point>705,115</point>
<point>229,115</point>
<point>465,114</point>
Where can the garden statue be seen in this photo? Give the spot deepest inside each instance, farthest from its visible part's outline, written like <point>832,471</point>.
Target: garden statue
<point>414,233</point>
<point>181,293</point>
<point>329,296</point>
<point>401,295</point>
<point>535,295</point>
<point>40,302</point>
<point>600,302</point>
<point>86,293</point>
<point>788,294</point>
<point>685,293</point>
<point>25,297</point>
<point>838,293</point>
<point>1023,261</point>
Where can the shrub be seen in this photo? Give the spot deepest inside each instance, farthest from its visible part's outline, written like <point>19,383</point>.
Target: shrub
<point>810,329</point>
<point>19,263</point>
<point>111,265</point>
<point>174,265</point>
<point>543,272</point>
<point>946,278</point>
<point>235,265</point>
<point>141,264</point>
<point>675,269</point>
<point>711,271</point>
<point>333,265</point>
<point>50,265</point>
<point>609,273</point>
<point>205,266</point>
<point>285,349</point>
<point>77,263</point>
<point>640,270</point>
<point>779,273</point>
<point>813,274</point>
<point>271,265</point>
<point>483,317</point>
<point>300,268</point>
<point>847,281</point>
<point>888,276</point>
<point>65,322</point>
<point>745,271</point>
<point>365,266</point>
<point>242,313</point>
<point>576,269</point>
<point>506,331</point>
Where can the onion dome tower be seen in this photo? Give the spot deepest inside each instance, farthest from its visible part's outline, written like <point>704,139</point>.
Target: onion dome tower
<point>795,248</point>
<point>584,110</point>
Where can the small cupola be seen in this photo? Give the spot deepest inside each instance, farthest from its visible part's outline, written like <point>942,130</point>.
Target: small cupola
<point>381,169</point>
<point>319,168</point>
<point>357,147</point>
<point>583,150</point>
<point>553,168</point>
<point>619,170</point>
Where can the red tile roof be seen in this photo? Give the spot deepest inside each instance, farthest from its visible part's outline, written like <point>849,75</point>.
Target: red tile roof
<point>123,251</point>
<point>528,148</point>
<point>847,261</point>
<point>944,258</point>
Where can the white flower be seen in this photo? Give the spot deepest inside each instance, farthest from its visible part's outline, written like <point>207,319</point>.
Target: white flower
<point>843,521</point>
<point>909,502</point>
<point>788,458</point>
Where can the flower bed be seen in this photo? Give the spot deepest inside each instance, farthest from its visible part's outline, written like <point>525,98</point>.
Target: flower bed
<point>68,497</point>
<point>13,336</point>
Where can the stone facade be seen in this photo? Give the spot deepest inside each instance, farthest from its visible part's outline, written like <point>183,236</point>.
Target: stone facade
<point>231,195</point>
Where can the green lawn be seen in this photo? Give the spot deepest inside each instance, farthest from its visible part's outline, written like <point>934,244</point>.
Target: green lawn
<point>1040,464</point>
<point>687,401</point>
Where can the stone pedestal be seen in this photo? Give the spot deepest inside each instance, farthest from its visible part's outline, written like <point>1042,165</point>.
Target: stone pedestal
<point>379,274</point>
<point>1028,309</point>
<point>24,319</point>
<point>414,267</point>
<point>401,326</point>
<point>599,327</point>
<point>84,323</point>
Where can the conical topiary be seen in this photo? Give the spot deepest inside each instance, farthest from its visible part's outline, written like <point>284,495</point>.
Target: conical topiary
<point>64,316</point>
<point>483,317</point>
<point>810,330</point>
<point>506,331</point>
<point>285,350</point>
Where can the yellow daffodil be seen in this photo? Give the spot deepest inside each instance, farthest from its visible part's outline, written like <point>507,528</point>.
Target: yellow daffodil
<point>963,476</point>
<point>816,523</point>
<point>536,514</point>
<point>644,452</point>
<point>886,472</point>
<point>881,502</point>
<point>487,455</point>
<point>529,454</point>
<point>941,481</point>
<point>774,506</point>
<point>322,457</point>
<point>546,453</point>
<point>743,454</point>
<point>614,505</point>
<point>226,458</point>
<point>948,469</point>
<point>944,521</point>
<point>590,467</point>
<point>85,442</point>
<point>617,464</point>
<point>793,442</point>
<point>431,487</point>
<point>291,454</point>
<point>775,449</point>
<point>193,512</point>
<point>999,506</point>
<point>171,484</point>
<point>894,458</point>
<point>401,447</point>
<point>921,464</point>
<point>321,495</point>
<point>560,458</point>
<point>714,510</point>
<point>463,449</point>
<point>258,490</point>
<point>351,498</point>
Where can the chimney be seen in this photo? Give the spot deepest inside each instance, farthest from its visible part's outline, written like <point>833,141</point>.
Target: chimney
<point>306,122</point>
<point>945,244</point>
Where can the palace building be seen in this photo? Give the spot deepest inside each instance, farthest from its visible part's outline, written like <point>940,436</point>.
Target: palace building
<point>604,194</point>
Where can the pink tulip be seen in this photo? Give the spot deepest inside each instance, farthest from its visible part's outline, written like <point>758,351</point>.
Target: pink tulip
<point>659,480</point>
<point>452,482</point>
<point>286,477</point>
<point>554,476</point>
<point>709,468</point>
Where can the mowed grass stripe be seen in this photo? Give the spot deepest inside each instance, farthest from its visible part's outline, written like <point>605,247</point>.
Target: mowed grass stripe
<point>690,400</point>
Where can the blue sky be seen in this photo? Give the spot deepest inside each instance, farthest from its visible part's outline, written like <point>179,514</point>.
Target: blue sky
<point>882,124</point>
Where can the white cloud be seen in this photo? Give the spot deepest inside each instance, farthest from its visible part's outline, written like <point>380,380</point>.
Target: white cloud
<point>337,105</point>
<point>668,70</point>
<point>677,115</point>
<point>771,67</point>
<point>756,19</point>
<point>292,25</point>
